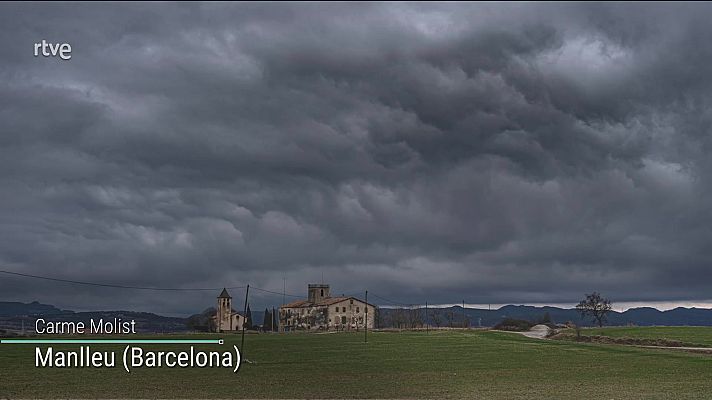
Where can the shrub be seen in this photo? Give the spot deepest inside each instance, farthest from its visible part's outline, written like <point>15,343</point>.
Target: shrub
<point>512,324</point>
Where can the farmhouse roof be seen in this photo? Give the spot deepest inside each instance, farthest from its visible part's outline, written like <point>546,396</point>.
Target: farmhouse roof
<point>324,302</point>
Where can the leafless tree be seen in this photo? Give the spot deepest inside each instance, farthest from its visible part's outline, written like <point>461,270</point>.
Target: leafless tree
<point>415,317</point>
<point>450,316</point>
<point>436,315</point>
<point>596,306</point>
<point>409,317</point>
<point>398,318</point>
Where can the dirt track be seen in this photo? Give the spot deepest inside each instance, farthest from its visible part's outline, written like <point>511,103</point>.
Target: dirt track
<point>537,332</point>
<point>541,332</point>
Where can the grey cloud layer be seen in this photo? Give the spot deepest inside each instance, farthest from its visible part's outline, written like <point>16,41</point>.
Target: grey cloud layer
<point>495,152</point>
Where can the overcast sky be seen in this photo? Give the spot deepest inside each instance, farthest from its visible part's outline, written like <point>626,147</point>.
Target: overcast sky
<point>496,153</point>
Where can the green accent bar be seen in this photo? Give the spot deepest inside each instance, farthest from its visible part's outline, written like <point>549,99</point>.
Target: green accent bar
<point>111,341</point>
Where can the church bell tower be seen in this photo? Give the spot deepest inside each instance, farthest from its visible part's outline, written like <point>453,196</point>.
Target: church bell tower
<point>224,318</point>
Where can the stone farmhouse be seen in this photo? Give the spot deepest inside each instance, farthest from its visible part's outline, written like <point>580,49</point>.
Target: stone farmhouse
<point>226,319</point>
<point>320,311</point>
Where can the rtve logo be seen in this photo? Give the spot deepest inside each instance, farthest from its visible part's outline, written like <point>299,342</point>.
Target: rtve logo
<point>61,50</point>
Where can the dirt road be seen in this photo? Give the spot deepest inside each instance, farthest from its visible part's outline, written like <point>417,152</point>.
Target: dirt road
<point>537,332</point>
<point>541,332</point>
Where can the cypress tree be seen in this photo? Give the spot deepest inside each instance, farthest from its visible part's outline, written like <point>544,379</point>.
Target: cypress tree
<point>267,321</point>
<point>248,318</point>
<point>275,324</point>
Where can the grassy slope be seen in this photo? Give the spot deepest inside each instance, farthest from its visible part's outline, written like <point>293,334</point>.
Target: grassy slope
<point>699,335</point>
<point>435,365</point>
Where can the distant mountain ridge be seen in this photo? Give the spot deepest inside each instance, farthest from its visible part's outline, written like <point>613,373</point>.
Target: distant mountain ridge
<point>15,315</point>
<point>13,308</point>
<point>643,316</point>
<point>12,315</point>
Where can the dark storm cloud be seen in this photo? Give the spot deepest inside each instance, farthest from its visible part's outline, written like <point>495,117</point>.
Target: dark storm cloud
<point>496,152</point>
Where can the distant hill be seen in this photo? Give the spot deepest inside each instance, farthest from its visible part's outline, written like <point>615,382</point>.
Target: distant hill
<point>14,315</point>
<point>643,316</point>
<point>12,308</point>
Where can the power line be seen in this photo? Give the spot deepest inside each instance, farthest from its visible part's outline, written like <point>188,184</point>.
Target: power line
<point>391,302</point>
<point>273,292</point>
<point>113,286</point>
<point>138,287</point>
<point>354,294</point>
<point>86,283</point>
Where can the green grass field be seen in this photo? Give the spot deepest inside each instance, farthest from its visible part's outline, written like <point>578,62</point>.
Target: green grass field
<point>697,335</point>
<point>472,364</point>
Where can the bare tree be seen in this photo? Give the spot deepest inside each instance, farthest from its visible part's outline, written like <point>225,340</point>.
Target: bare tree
<point>212,326</point>
<point>596,306</point>
<point>416,318</point>
<point>450,316</point>
<point>436,315</point>
<point>398,318</point>
<point>409,317</point>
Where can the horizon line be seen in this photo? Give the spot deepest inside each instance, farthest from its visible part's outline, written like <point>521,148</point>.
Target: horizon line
<point>618,307</point>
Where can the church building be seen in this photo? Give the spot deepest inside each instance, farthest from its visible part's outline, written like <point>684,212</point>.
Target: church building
<point>226,319</point>
<point>320,311</point>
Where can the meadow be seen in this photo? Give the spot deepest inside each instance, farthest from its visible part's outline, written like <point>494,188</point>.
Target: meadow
<point>438,364</point>
<point>694,335</point>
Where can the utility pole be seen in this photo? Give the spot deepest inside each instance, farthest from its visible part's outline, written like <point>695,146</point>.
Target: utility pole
<point>244,322</point>
<point>274,318</point>
<point>365,331</point>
